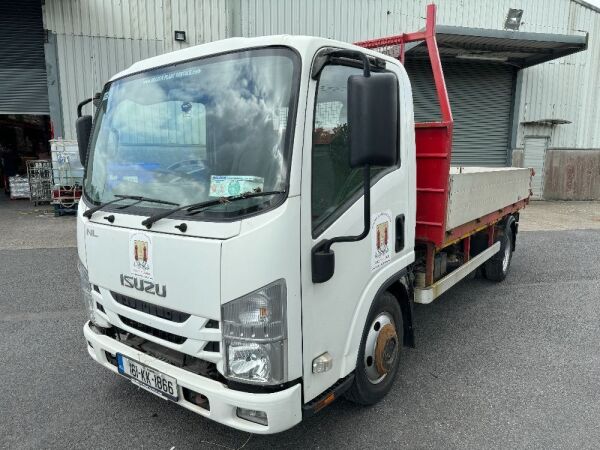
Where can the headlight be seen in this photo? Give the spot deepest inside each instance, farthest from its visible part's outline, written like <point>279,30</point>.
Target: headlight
<point>255,336</point>
<point>86,290</point>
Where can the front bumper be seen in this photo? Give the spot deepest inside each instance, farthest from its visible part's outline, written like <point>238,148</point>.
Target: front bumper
<point>283,408</point>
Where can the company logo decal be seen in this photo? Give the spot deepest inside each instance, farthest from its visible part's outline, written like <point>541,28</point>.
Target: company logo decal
<point>381,252</point>
<point>143,285</point>
<point>140,256</point>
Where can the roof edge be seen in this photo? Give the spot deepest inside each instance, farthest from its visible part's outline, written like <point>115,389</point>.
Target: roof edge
<point>587,5</point>
<point>576,39</point>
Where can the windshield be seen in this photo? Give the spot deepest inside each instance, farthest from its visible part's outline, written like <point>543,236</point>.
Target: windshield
<point>196,131</point>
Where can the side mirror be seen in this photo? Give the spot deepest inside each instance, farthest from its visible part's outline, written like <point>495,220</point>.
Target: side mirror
<point>373,120</point>
<point>83,128</point>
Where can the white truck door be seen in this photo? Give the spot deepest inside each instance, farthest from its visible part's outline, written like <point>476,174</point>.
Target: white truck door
<point>332,206</point>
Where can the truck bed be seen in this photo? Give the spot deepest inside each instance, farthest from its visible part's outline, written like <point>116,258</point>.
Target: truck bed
<point>452,201</point>
<point>477,191</point>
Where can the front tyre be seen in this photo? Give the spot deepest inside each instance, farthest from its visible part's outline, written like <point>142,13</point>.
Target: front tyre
<point>379,353</point>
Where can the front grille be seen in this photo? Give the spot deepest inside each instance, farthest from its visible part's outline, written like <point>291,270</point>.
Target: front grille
<point>212,324</point>
<point>212,346</point>
<point>153,331</point>
<point>176,358</point>
<point>149,308</point>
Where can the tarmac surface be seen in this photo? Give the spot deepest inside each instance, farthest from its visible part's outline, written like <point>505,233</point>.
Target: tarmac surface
<point>513,364</point>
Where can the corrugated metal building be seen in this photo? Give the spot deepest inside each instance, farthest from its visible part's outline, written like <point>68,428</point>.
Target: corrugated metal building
<point>506,110</point>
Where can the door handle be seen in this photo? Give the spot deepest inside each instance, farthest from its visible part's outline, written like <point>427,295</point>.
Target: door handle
<point>399,233</point>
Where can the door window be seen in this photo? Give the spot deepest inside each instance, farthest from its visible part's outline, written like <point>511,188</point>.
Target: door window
<point>335,185</point>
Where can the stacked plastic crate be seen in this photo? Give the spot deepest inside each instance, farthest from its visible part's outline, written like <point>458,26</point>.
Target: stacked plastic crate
<point>39,173</point>
<point>19,187</point>
<point>67,172</point>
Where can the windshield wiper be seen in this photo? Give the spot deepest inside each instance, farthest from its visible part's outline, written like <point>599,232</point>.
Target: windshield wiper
<point>120,197</point>
<point>195,208</point>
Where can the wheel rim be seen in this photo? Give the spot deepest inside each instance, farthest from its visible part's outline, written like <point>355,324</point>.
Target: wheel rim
<point>506,257</point>
<point>381,348</point>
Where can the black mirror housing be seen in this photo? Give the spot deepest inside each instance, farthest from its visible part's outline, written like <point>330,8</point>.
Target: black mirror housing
<point>83,128</point>
<point>373,120</point>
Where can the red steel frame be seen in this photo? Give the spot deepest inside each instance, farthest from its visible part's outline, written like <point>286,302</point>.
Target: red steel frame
<point>433,139</point>
<point>433,151</point>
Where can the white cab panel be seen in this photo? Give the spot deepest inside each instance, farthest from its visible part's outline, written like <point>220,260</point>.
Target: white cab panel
<point>188,267</point>
<point>267,250</point>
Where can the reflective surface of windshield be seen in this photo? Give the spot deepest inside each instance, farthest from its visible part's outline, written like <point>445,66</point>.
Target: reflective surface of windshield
<point>199,130</point>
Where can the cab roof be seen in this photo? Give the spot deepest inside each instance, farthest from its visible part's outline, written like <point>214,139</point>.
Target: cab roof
<point>305,45</point>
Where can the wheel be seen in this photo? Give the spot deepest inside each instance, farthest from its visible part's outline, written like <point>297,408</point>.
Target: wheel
<point>379,353</point>
<point>496,268</point>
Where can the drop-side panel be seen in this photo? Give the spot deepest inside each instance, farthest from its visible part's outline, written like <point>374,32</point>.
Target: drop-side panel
<point>477,191</point>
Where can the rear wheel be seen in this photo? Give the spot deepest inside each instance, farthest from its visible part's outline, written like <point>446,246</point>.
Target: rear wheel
<point>379,353</point>
<point>496,268</point>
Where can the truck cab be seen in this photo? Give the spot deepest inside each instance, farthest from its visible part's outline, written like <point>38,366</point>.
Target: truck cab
<point>221,298</point>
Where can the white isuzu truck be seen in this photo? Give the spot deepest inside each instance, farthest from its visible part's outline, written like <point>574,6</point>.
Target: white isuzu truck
<point>260,215</point>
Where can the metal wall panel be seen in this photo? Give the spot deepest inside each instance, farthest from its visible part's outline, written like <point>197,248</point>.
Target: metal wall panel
<point>98,38</point>
<point>86,63</point>
<point>566,88</point>
<point>203,20</point>
<point>23,88</point>
<point>354,20</point>
<point>130,19</point>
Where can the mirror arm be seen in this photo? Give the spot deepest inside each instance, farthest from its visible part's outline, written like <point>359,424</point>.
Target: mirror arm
<point>326,244</point>
<point>82,104</point>
<point>326,55</point>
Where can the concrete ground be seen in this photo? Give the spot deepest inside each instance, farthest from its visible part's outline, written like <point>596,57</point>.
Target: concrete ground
<point>541,215</point>
<point>508,365</point>
<point>23,225</point>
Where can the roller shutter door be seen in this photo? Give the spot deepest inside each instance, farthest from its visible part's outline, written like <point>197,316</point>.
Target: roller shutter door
<point>481,100</point>
<point>23,88</point>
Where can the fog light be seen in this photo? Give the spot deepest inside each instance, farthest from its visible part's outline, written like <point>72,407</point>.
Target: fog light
<point>259,417</point>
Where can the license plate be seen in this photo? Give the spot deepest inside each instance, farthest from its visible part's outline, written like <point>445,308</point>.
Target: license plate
<point>152,380</point>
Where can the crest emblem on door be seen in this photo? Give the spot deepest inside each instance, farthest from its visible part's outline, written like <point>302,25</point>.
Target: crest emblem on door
<point>380,239</point>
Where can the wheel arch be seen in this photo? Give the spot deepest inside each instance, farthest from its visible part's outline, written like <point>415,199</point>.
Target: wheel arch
<point>512,222</point>
<point>402,289</point>
<point>400,286</point>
